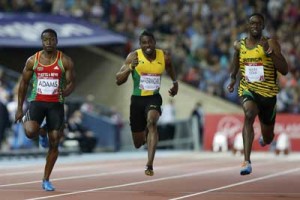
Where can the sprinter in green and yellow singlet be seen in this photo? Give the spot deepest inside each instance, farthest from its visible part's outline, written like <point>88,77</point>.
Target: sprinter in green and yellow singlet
<point>146,66</point>
<point>260,62</point>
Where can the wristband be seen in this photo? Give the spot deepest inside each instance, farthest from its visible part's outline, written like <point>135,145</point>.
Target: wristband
<point>175,81</point>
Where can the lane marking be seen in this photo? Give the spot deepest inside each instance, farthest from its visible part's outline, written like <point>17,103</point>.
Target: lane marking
<point>87,175</point>
<point>239,183</point>
<point>72,177</point>
<point>123,185</point>
<point>97,174</point>
<point>137,183</point>
<point>61,168</point>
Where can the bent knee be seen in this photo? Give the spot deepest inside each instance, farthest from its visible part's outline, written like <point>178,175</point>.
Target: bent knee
<point>137,146</point>
<point>31,129</point>
<point>151,123</point>
<point>250,114</point>
<point>269,138</point>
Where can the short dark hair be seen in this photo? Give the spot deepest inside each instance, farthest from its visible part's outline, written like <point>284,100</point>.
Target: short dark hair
<point>258,15</point>
<point>49,30</point>
<point>146,33</point>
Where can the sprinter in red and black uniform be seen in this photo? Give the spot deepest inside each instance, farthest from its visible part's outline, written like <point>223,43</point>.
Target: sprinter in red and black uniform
<point>52,75</point>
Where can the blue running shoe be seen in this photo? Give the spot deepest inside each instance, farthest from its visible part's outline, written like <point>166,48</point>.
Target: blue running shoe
<point>261,141</point>
<point>246,168</point>
<point>43,140</point>
<point>47,186</point>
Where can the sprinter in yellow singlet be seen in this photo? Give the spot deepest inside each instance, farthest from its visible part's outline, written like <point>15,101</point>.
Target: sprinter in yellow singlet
<point>260,62</point>
<point>146,66</point>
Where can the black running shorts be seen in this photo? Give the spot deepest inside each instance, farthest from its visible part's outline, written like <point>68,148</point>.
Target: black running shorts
<point>139,107</point>
<point>266,106</point>
<point>53,111</point>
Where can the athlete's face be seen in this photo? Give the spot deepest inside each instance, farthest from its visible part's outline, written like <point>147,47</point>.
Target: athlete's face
<point>49,41</point>
<point>147,44</point>
<point>256,25</point>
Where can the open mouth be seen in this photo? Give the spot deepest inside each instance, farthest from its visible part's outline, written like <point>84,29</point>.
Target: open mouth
<point>148,50</point>
<point>255,31</point>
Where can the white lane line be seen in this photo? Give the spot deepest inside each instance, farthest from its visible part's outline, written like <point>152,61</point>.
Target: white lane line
<point>138,183</point>
<point>98,166</point>
<point>72,177</point>
<point>91,175</point>
<point>59,169</point>
<point>87,175</point>
<point>100,174</point>
<point>239,183</point>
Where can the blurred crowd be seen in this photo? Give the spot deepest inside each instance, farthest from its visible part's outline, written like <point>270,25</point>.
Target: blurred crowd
<point>199,33</point>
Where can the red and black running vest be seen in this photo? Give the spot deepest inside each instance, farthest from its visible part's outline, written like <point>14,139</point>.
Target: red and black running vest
<point>48,81</point>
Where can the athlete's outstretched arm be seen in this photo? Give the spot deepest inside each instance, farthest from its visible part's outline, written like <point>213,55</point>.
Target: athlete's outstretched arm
<point>129,65</point>
<point>235,66</point>
<point>70,75</point>
<point>171,72</point>
<point>23,87</point>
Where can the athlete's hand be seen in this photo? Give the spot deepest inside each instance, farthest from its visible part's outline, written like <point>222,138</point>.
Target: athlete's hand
<point>18,116</point>
<point>264,43</point>
<point>173,91</point>
<point>230,86</point>
<point>134,62</point>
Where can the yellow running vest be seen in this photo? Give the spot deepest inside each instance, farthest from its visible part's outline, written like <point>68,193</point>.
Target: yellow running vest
<point>147,75</point>
<point>258,72</point>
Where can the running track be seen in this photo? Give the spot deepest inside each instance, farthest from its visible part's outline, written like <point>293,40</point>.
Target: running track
<point>178,175</point>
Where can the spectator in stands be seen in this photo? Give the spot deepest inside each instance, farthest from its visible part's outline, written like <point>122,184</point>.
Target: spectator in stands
<point>51,85</point>
<point>166,123</point>
<point>260,61</point>
<point>146,65</point>
<point>179,26</point>
<point>193,76</point>
<point>89,104</point>
<point>4,122</point>
<point>117,119</point>
<point>4,90</point>
<point>76,131</point>
<point>3,6</point>
<point>198,113</point>
<point>4,115</point>
<point>19,139</point>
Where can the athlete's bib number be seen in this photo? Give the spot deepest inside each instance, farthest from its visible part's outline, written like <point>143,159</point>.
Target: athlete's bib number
<point>47,86</point>
<point>149,82</point>
<point>254,72</point>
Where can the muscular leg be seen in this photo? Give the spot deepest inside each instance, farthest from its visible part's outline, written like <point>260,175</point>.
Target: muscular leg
<point>54,138</point>
<point>267,132</point>
<point>31,129</point>
<point>250,111</point>
<point>43,132</point>
<point>152,139</point>
<point>139,138</point>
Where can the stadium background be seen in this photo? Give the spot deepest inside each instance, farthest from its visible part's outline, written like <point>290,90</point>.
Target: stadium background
<point>199,34</point>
